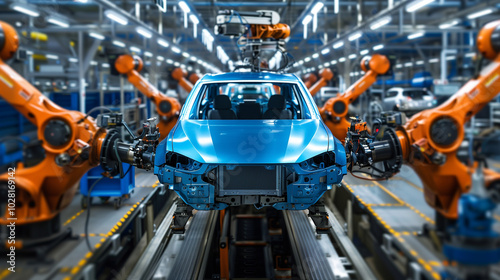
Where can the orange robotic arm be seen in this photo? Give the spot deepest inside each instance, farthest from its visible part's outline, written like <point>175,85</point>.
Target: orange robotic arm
<point>335,109</point>
<point>193,78</point>
<point>71,141</point>
<point>326,75</point>
<point>167,107</point>
<point>430,139</point>
<point>180,75</point>
<point>309,79</point>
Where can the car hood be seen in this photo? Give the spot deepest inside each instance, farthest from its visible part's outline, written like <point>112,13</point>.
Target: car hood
<point>250,141</point>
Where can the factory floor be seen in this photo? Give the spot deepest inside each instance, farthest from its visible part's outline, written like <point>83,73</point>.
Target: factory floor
<point>70,256</point>
<point>398,205</point>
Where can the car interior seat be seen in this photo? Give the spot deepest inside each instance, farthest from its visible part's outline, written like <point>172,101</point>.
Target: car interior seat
<point>222,109</point>
<point>277,108</point>
<point>249,111</point>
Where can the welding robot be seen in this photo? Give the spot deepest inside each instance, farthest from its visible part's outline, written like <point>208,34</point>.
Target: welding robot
<point>462,194</point>
<point>336,108</point>
<point>168,108</point>
<point>73,143</point>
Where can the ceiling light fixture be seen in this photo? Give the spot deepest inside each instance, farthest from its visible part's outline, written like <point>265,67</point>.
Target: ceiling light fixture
<point>144,32</point>
<point>355,36</point>
<point>114,16</point>
<point>417,5</point>
<point>381,22</point>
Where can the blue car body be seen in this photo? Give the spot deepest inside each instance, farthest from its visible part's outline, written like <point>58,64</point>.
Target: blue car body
<point>284,163</point>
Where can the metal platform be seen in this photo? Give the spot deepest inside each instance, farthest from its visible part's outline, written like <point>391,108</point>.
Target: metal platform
<point>68,258</point>
<point>398,208</point>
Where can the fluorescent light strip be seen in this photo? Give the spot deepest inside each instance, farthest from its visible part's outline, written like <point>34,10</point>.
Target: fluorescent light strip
<point>176,50</point>
<point>160,58</point>
<point>449,24</point>
<point>338,45</point>
<point>433,60</point>
<point>355,36</point>
<point>325,51</point>
<point>114,16</point>
<point>415,35</point>
<point>363,52</point>
<point>51,56</point>
<point>480,13</point>
<point>194,19</point>
<point>317,7</point>
<point>25,10</point>
<point>307,20</point>
<point>352,56</point>
<point>163,43</point>
<point>381,22</point>
<point>72,59</point>
<point>185,54</point>
<point>378,47</point>
<point>135,49</point>
<point>420,62</point>
<point>148,54</point>
<point>144,32</point>
<point>316,55</point>
<point>184,6</point>
<point>58,22</point>
<point>307,59</point>
<point>417,5</point>
<point>119,44</point>
<point>342,59</point>
<point>97,36</point>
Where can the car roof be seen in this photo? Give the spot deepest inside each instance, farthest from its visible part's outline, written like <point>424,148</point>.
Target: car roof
<point>250,76</point>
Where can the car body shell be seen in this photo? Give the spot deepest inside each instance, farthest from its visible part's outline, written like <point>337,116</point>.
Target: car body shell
<point>261,150</point>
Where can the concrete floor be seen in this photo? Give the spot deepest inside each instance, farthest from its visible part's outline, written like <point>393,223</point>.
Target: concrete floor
<point>71,255</point>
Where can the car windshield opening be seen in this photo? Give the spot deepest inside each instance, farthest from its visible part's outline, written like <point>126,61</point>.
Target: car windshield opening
<point>249,101</point>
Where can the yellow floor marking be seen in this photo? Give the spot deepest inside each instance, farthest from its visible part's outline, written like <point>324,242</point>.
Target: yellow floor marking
<point>424,264</point>
<point>88,255</point>
<point>408,182</point>
<point>74,217</point>
<point>404,203</point>
<point>497,217</point>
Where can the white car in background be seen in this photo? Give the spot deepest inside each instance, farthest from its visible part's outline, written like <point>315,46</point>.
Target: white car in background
<point>408,100</point>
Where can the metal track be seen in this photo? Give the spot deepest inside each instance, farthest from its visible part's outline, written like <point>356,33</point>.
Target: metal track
<point>310,259</point>
<point>147,264</point>
<point>348,248</point>
<point>191,261</point>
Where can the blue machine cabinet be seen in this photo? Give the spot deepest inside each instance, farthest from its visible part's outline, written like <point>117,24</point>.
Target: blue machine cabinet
<point>107,187</point>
